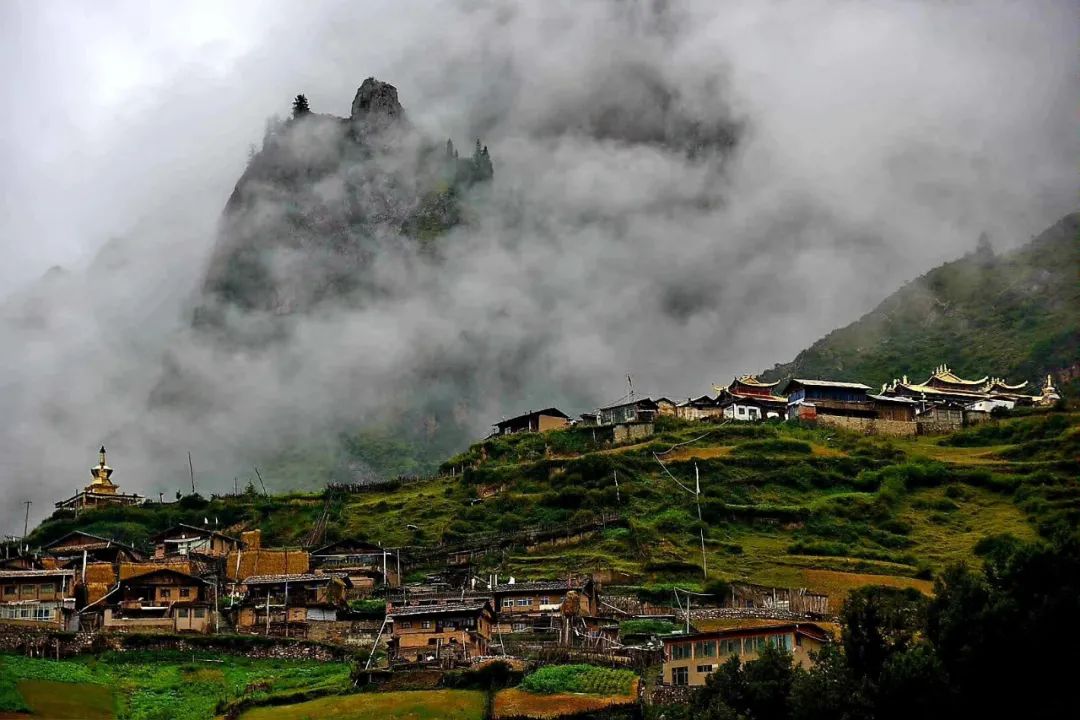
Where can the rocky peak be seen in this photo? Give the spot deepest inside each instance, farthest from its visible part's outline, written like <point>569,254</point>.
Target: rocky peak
<point>376,105</point>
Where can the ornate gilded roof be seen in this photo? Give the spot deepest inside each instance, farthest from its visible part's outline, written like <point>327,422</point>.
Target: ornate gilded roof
<point>943,374</point>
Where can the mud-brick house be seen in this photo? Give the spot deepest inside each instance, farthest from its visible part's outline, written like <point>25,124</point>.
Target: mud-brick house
<point>38,598</point>
<point>690,659</point>
<point>162,600</point>
<point>542,605</point>
<point>367,565</point>
<point>535,421</point>
<point>286,604</point>
<point>191,540</point>
<point>447,634</point>
<point>78,547</point>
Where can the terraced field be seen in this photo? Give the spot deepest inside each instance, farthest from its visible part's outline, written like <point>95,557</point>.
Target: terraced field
<point>780,503</point>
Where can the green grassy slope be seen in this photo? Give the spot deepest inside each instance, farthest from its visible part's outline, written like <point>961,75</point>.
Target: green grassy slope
<point>780,503</point>
<point>1015,315</point>
<point>155,685</point>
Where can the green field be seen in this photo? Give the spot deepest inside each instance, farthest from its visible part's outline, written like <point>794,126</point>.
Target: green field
<point>153,686</point>
<point>407,705</point>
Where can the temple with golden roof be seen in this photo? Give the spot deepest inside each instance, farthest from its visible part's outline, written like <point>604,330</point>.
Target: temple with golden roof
<point>101,490</point>
<point>946,386</point>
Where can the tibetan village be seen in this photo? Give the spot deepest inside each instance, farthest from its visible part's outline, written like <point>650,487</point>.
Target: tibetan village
<point>401,609</point>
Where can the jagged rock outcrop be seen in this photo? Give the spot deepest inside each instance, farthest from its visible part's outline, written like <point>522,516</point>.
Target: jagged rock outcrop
<point>375,107</point>
<point>321,199</point>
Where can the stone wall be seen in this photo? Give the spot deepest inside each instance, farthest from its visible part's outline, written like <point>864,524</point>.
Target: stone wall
<point>625,432</point>
<point>343,632</point>
<point>41,643</point>
<point>713,613</point>
<point>930,427</point>
<point>669,695</point>
<point>871,426</point>
<point>38,642</point>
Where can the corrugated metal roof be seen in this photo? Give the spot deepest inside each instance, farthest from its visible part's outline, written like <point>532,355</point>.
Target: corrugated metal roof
<point>16,574</point>
<point>301,577</point>
<point>435,610</point>
<point>539,585</point>
<point>830,383</point>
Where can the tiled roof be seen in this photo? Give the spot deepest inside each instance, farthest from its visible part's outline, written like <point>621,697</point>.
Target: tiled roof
<point>456,609</point>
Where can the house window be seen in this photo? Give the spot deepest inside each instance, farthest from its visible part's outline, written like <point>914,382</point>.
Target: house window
<point>519,627</point>
<point>681,651</point>
<point>47,588</point>
<point>200,612</point>
<point>425,624</point>
<point>545,600</point>
<point>680,676</point>
<point>524,602</point>
<point>182,612</point>
<point>405,624</point>
<point>730,647</point>
<point>185,592</point>
<point>9,590</point>
<point>27,590</point>
<point>166,592</point>
<point>704,669</point>
<point>706,649</point>
<point>508,602</point>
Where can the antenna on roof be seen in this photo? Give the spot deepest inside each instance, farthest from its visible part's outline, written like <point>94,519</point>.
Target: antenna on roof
<point>630,384</point>
<point>191,472</point>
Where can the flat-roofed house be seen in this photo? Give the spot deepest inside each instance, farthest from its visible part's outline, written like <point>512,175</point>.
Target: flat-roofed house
<point>73,548</point>
<point>811,399</point>
<point>635,411</point>
<point>534,421</point>
<point>184,539</point>
<point>690,659</point>
<point>38,598</point>
<point>162,600</point>
<point>284,604</point>
<point>542,605</point>
<point>367,565</point>
<point>450,633</point>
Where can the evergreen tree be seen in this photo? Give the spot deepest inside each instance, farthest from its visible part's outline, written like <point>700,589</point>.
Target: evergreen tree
<point>300,106</point>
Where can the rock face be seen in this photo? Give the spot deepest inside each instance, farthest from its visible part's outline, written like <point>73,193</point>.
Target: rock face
<point>376,107</point>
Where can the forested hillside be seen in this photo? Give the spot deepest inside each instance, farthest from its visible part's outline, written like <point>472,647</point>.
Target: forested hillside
<point>1015,315</point>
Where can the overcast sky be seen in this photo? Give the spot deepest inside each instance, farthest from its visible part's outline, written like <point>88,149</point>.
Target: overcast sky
<point>877,140</point>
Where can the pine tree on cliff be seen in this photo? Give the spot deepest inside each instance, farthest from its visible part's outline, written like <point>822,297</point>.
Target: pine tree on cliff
<point>300,106</point>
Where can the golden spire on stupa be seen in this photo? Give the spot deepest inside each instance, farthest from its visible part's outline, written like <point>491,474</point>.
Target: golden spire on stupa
<point>101,472</point>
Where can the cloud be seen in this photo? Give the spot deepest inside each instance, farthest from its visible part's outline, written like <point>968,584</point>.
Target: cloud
<point>683,191</point>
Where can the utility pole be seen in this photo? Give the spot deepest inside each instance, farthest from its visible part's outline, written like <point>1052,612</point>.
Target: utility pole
<point>259,475</point>
<point>191,472</point>
<point>26,521</point>
<point>701,523</point>
<point>630,384</point>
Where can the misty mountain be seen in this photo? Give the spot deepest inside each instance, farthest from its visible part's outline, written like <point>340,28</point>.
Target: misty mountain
<point>1015,315</point>
<point>322,198</point>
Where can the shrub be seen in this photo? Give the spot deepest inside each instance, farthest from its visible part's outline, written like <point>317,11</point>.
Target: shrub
<point>589,679</point>
<point>646,627</point>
